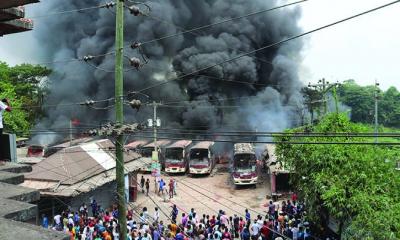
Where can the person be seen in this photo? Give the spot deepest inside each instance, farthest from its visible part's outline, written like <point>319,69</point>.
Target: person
<point>247,214</point>
<point>45,221</point>
<point>156,214</point>
<point>4,106</point>
<point>255,229</point>
<point>174,213</point>
<point>226,235</point>
<point>171,188</point>
<point>236,221</point>
<point>265,231</point>
<point>147,187</point>
<point>271,209</point>
<point>179,235</point>
<point>142,181</point>
<point>175,185</point>
<point>245,235</point>
<point>94,207</point>
<point>161,186</point>
<point>156,233</point>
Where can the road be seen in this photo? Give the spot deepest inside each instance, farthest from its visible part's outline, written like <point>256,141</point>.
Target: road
<point>207,195</point>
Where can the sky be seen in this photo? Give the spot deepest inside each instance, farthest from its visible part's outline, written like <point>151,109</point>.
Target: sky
<point>364,49</point>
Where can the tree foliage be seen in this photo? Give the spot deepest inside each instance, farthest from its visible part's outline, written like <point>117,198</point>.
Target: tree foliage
<point>361,100</point>
<point>25,85</point>
<point>355,184</point>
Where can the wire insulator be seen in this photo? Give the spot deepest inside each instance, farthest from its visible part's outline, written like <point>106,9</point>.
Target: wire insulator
<point>135,45</point>
<point>109,5</point>
<point>88,58</point>
<point>135,62</point>
<point>134,10</point>
<point>135,104</point>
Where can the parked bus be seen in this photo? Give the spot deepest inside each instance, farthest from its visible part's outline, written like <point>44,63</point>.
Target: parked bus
<point>201,158</point>
<point>176,160</point>
<point>136,145</point>
<point>44,151</point>
<point>244,167</point>
<point>147,150</point>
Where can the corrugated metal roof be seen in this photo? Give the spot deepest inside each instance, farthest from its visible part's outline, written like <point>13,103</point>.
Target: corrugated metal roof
<point>180,144</point>
<point>203,145</point>
<point>86,185</point>
<point>73,164</point>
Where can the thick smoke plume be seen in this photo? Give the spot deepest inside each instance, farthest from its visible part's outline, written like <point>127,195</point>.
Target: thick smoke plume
<point>267,101</point>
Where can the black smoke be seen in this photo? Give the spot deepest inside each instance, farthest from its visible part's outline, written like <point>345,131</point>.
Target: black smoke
<point>266,99</point>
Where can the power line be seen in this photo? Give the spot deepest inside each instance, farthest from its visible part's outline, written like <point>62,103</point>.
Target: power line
<point>223,21</point>
<point>51,14</point>
<point>269,46</point>
<point>80,59</point>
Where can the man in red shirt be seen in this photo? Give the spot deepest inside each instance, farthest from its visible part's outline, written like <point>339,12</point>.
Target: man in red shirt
<point>265,231</point>
<point>171,188</point>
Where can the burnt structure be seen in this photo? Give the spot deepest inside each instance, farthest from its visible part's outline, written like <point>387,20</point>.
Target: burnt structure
<point>12,17</point>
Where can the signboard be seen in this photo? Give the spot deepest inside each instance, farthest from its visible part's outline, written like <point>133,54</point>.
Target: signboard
<point>155,165</point>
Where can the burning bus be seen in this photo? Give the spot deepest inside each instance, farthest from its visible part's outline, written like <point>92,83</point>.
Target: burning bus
<point>201,159</point>
<point>176,157</point>
<point>244,170</point>
<point>147,150</point>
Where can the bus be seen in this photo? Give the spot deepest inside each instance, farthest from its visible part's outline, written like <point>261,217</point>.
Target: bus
<point>147,150</point>
<point>176,157</point>
<point>136,145</point>
<point>201,158</point>
<point>244,166</point>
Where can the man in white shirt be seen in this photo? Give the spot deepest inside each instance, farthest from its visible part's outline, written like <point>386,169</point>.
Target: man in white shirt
<point>255,229</point>
<point>4,106</point>
<point>156,215</point>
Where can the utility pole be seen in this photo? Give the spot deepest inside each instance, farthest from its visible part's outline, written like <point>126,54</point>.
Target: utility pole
<point>70,132</point>
<point>155,139</point>
<point>156,165</point>
<point>119,117</point>
<point>155,125</point>
<point>323,87</point>
<point>376,91</point>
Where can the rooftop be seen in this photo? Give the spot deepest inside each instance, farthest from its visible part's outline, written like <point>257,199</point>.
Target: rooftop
<point>18,207</point>
<point>15,3</point>
<point>180,144</point>
<point>78,169</point>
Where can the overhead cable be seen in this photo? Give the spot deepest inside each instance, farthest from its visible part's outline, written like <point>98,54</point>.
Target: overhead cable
<point>270,46</point>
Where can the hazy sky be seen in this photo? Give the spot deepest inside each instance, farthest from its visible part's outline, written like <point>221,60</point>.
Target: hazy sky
<point>364,49</point>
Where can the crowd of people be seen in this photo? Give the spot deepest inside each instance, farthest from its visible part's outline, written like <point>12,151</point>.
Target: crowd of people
<point>162,188</point>
<point>278,222</point>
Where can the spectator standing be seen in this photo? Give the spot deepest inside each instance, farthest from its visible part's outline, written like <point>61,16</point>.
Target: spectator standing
<point>142,181</point>
<point>147,187</point>
<point>247,214</point>
<point>171,188</point>
<point>45,221</point>
<point>4,106</point>
<point>94,207</point>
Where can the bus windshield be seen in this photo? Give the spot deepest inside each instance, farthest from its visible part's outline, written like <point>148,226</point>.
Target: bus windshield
<point>174,154</point>
<point>244,162</point>
<point>199,156</point>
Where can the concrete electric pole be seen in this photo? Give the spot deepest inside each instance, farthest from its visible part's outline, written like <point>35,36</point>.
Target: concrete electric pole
<point>119,117</point>
<point>376,91</point>
<point>323,87</point>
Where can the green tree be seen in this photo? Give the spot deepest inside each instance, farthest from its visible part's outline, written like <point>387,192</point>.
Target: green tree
<point>26,86</point>
<point>361,99</point>
<point>353,183</point>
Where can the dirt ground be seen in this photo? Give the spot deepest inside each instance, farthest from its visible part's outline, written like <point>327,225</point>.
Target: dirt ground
<point>207,195</point>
